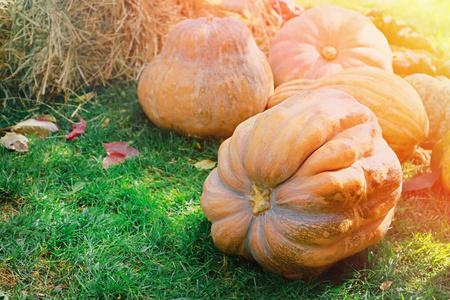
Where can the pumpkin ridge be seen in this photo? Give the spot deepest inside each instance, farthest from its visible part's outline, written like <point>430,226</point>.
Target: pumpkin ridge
<point>318,229</point>
<point>212,200</point>
<point>306,139</point>
<point>255,242</point>
<point>226,241</point>
<point>288,251</point>
<point>233,168</point>
<point>344,247</point>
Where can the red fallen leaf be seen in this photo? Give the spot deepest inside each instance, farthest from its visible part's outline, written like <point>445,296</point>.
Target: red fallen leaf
<point>118,152</point>
<point>77,129</point>
<point>421,182</point>
<point>121,147</point>
<point>113,159</point>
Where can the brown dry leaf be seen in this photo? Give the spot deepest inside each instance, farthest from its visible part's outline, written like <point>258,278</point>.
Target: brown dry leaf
<point>15,141</point>
<point>58,288</point>
<point>33,126</point>
<point>205,164</point>
<point>385,285</point>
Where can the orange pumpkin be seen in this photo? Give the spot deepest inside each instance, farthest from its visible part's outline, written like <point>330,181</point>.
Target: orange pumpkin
<point>406,62</point>
<point>303,185</point>
<point>209,77</point>
<point>325,40</point>
<point>396,104</point>
<point>435,95</point>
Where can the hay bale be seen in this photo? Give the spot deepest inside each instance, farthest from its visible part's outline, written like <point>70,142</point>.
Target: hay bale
<point>49,48</point>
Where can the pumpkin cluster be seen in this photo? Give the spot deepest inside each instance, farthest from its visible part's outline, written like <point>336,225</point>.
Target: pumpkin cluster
<point>309,171</point>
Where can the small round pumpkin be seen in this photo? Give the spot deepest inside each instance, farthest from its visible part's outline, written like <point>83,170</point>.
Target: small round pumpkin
<point>396,104</point>
<point>303,185</point>
<point>209,77</point>
<point>325,40</point>
<point>435,95</point>
<point>440,159</point>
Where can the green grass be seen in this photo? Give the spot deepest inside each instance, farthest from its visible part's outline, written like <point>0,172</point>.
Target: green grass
<point>71,229</point>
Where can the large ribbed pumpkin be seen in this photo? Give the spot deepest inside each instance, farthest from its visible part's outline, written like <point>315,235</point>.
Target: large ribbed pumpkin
<point>435,95</point>
<point>209,77</point>
<point>325,40</point>
<point>303,185</point>
<point>396,104</point>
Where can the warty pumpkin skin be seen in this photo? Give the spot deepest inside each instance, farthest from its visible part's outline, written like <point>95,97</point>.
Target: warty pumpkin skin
<point>326,40</point>
<point>396,104</point>
<point>209,77</point>
<point>435,95</point>
<point>303,185</point>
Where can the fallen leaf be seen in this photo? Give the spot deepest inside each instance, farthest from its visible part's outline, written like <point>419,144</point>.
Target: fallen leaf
<point>205,164</point>
<point>15,141</point>
<point>33,126</point>
<point>385,285</point>
<point>84,98</point>
<point>77,129</point>
<point>49,118</point>
<point>421,182</point>
<point>58,288</point>
<point>117,152</point>
<point>113,159</point>
<point>105,123</point>
<point>121,147</point>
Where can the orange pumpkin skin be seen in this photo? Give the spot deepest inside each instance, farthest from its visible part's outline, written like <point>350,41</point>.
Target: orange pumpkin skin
<point>396,104</point>
<point>440,159</point>
<point>303,185</point>
<point>209,77</point>
<point>435,95</point>
<point>325,40</point>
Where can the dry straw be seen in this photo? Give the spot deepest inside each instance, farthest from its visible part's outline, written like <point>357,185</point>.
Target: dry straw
<point>50,48</point>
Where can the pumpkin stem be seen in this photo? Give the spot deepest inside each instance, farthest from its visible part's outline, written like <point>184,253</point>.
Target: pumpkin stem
<point>259,198</point>
<point>329,52</point>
